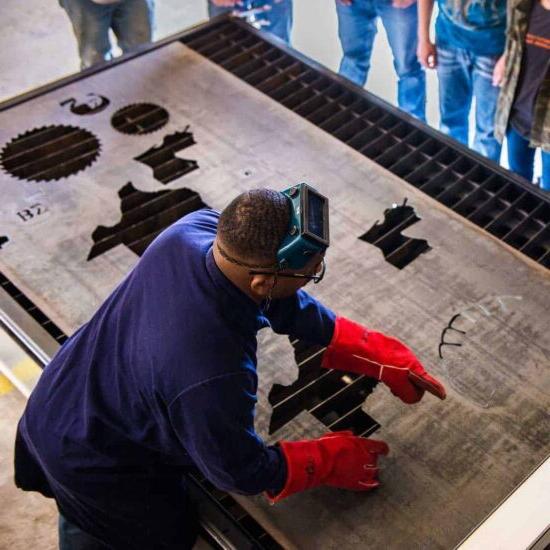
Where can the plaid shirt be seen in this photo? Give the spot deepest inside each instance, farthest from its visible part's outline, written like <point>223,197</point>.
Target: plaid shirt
<point>518,22</point>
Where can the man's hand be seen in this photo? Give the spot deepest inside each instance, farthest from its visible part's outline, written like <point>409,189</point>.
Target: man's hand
<point>356,349</point>
<point>427,54</point>
<point>226,3</point>
<point>338,459</point>
<point>498,71</point>
<point>402,4</point>
<point>345,2</point>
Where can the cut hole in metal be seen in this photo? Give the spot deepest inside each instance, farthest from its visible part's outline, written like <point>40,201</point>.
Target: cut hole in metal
<point>139,118</point>
<point>398,249</point>
<point>49,153</point>
<point>94,104</point>
<point>335,398</point>
<point>3,241</point>
<point>162,159</point>
<point>144,216</point>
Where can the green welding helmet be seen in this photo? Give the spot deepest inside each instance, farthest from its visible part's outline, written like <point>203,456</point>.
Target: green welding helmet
<point>308,228</point>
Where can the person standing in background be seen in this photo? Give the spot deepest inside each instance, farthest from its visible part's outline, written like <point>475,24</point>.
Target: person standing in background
<point>277,16</point>
<point>469,39</point>
<point>132,22</point>
<point>357,20</point>
<point>523,72</point>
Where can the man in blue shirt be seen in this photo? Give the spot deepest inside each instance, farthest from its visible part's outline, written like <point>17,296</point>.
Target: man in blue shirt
<point>163,377</point>
<point>469,39</point>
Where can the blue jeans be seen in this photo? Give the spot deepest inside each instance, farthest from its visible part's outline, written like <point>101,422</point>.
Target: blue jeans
<point>279,16</point>
<point>357,29</point>
<point>72,537</point>
<point>131,20</point>
<point>521,158</point>
<point>462,77</point>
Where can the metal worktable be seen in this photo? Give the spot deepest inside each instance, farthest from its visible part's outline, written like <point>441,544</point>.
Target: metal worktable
<point>459,272</point>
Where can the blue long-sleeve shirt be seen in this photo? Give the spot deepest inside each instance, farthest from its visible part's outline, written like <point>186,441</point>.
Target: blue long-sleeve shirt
<point>163,376</point>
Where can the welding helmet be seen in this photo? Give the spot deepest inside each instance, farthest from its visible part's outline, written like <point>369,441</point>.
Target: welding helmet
<point>308,232</point>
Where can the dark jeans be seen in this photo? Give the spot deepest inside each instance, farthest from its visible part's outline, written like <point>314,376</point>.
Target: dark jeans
<point>521,158</point>
<point>73,538</point>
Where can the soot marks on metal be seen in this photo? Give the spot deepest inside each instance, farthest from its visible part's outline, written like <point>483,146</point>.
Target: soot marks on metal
<point>162,159</point>
<point>3,241</point>
<point>140,118</point>
<point>398,250</point>
<point>50,153</point>
<point>94,104</point>
<point>448,328</point>
<point>333,397</point>
<point>470,338</point>
<point>144,216</point>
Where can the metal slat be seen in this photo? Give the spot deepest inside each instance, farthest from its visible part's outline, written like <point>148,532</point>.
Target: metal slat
<point>379,132</point>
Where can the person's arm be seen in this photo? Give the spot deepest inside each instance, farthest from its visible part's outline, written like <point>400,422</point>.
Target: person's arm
<point>498,71</point>
<point>214,421</point>
<point>426,51</point>
<point>302,316</point>
<point>402,4</point>
<point>225,3</point>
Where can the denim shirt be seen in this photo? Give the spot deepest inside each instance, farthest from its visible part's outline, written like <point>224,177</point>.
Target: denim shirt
<point>477,26</point>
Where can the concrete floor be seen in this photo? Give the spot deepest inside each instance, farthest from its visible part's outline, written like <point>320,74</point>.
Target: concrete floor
<point>27,520</point>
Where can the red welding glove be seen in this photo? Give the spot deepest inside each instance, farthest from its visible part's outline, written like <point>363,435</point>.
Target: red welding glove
<point>338,459</point>
<point>354,348</point>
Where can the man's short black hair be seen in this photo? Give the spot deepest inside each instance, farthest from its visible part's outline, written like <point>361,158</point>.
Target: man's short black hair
<point>254,224</point>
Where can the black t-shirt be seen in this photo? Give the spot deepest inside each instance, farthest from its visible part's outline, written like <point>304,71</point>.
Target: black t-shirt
<point>535,68</point>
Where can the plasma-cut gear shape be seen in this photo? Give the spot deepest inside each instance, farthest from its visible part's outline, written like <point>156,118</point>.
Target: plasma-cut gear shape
<point>144,216</point>
<point>335,398</point>
<point>162,159</point>
<point>139,118</point>
<point>398,249</point>
<point>50,153</point>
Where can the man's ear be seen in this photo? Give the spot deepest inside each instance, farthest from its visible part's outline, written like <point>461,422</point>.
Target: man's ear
<point>262,285</point>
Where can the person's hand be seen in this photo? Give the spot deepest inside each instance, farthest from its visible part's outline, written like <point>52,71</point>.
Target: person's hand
<point>427,54</point>
<point>402,4</point>
<point>354,348</point>
<point>338,459</point>
<point>225,3</point>
<point>498,71</point>
<point>345,2</point>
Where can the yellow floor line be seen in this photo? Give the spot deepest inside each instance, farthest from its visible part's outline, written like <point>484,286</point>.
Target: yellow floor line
<point>5,385</point>
<point>24,370</point>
